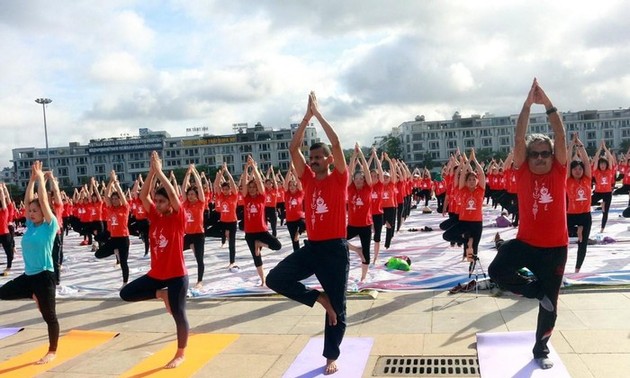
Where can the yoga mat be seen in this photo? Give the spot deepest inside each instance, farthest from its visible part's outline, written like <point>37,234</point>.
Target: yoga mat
<point>6,332</point>
<point>71,345</point>
<point>201,348</point>
<point>509,354</point>
<point>355,352</point>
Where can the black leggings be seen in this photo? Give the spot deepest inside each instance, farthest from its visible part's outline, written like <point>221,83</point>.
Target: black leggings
<point>57,256</point>
<point>145,287</point>
<point>426,195</point>
<point>547,265</point>
<point>328,260</point>
<point>122,245</point>
<point>272,217</point>
<point>43,286</point>
<point>399,216</point>
<point>296,228</point>
<point>607,197</point>
<point>5,240</point>
<point>440,202</point>
<point>377,221</point>
<point>265,238</point>
<point>585,220</point>
<point>197,242</point>
<point>364,233</point>
<point>461,231</point>
<point>389,217</point>
<point>218,231</point>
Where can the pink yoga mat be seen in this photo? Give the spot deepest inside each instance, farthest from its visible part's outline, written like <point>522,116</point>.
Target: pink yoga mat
<point>509,354</point>
<point>310,363</point>
<point>6,332</point>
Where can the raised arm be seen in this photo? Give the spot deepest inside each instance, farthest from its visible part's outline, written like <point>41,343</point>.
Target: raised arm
<point>295,148</point>
<point>559,134</point>
<point>520,149</point>
<point>337,151</point>
<point>364,166</point>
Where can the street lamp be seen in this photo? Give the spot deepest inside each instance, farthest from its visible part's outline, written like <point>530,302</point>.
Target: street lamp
<point>44,102</point>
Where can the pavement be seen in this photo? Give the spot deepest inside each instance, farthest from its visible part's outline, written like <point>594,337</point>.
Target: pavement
<point>592,334</point>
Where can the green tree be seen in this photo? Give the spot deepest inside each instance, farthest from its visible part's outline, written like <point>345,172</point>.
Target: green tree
<point>391,145</point>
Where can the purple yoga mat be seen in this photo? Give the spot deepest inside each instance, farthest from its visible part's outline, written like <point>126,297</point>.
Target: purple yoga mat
<point>6,332</point>
<point>310,363</point>
<point>509,354</point>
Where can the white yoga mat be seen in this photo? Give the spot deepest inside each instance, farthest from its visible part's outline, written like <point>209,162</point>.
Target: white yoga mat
<point>310,363</point>
<point>509,354</point>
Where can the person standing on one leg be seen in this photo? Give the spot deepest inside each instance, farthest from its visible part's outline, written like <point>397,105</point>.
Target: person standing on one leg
<point>38,279</point>
<point>294,199</point>
<point>542,238</point>
<point>194,233</point>
<point>579,205</point>
<point>325,253</point>
<point>377,202</point>
<point>604,168</point>
<point>168,269</point>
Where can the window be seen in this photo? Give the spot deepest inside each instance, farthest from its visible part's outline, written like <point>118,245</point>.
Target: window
<point>434,145</point>
<point>80,160</point>
<point>608,134</point>
<point>486,142</point>
<point>417,146</point>
<point>451,144</point>
<point>99,169</point>
<point>265,156</point>
<point>590,135</point>
<point>191,161</point>
<point>82,170</point>
<point>468,143</point>
<point>119,167</point>
<point>505,141</point>
<point>210,160</point>
<point>62,171</point>
<point>283,155</point>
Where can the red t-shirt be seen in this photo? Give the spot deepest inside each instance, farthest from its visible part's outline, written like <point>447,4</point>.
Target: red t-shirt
<point>280,195</point>
<point>271,197</point>
<point>4,221</point>
<point>626,174</point>
<point>401,189</point>
<point>440,187</point>
<point>226,206</point>
<point>604,180</point>
<point>359,206</point>
<point>117,220</point>
<point>510,181</point>
<point>294,204</point>
<point>193,213</point>
<point>579,195</point>
<point>58,211</point>
<point>542,206</point>
<point>138,209</point>
<point>325,205</point>
<point>83,212</point>
<point>471,204</point>
<point>388,197</point>
<point>377,200</point>
<point>255,220</point>
<point>166,233</point>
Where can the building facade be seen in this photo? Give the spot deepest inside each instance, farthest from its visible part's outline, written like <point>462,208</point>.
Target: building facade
<point>129,156</point>
<point>439,139</point>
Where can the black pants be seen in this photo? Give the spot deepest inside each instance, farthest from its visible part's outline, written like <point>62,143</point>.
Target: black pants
<point>282,212</point>
<point>57,256</point>
<point>461,231</point>
<point>547,265</point>
<point>607,199</point>
<point>452,219</point>
<point>377,222</point>
<point>364,234</point>
<point>399,216</point>
<point>265,238</point>
<point>219,230</point>
<point>426,195</point>
<point>144,288</point>
<point>272,217</point>
<point>329,261</point>
<point>43,286</point>
<point>122,245</point>
<point>296,228</point>
<point>440,202</point>
<point>585,220</point>
<point>198,243</point>
<point>5,240</point>
<point>389,218</point>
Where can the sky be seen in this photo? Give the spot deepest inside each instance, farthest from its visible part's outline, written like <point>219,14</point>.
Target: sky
<point>112,67</point>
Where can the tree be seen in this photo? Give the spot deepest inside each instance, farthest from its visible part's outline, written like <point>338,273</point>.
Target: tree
<point>391,145</point>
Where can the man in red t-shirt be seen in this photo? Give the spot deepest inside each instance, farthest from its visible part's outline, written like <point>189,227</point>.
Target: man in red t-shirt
<point>325,254</point>
<point>542,238</point>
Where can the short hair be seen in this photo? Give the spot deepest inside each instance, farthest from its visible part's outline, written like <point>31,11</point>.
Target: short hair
<point>225,185</point>
<point>114,194</point>
<point>603,160</point>
<point>577,163</point>
<point>470,174</point>
<point>321,145</point>
<point>161,191</point>
<point>194,189</point>
<point>538,138</point>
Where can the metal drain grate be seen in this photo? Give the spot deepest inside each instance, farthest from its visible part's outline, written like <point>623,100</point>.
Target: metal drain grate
<point>427,366</point>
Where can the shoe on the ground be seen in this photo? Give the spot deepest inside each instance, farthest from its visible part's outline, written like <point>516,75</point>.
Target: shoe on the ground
<point>470,286</point>
<point>456,289</point>
<point>234,269</point>
<point>84,242</point>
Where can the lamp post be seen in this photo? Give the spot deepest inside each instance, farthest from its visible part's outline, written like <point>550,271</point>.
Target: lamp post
<point>44,102</point>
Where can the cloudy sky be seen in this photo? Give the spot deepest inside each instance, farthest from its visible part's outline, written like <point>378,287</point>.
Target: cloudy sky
<point>112,67</point>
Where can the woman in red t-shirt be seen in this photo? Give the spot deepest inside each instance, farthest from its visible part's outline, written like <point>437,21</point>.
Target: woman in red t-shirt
<point>256,231</point>
<point>271,200</point>
<point>225,205</point>
<point>294,206</point>
<point>117,217</point>
<point>388,199</point>
<point>359,209</point>
<point>467,230</point>
<point>603,169</point>
<point>194,206</point>
<point>579,201</point>
<point>139,224</point>
<point>378,178</point>
<point>168,269</point>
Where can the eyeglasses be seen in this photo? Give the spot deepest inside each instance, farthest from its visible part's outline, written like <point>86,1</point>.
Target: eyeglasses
<point>536,154</point>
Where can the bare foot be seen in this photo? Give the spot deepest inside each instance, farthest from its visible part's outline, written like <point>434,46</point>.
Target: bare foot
<point>330,311</point>
<point>199,285</point>
<point>331,367</point>
<point>163,295</point>
<point>47,358</point>
<point>176,361</point>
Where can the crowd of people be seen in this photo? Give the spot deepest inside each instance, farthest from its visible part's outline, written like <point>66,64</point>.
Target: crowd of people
<point>335,206</point>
